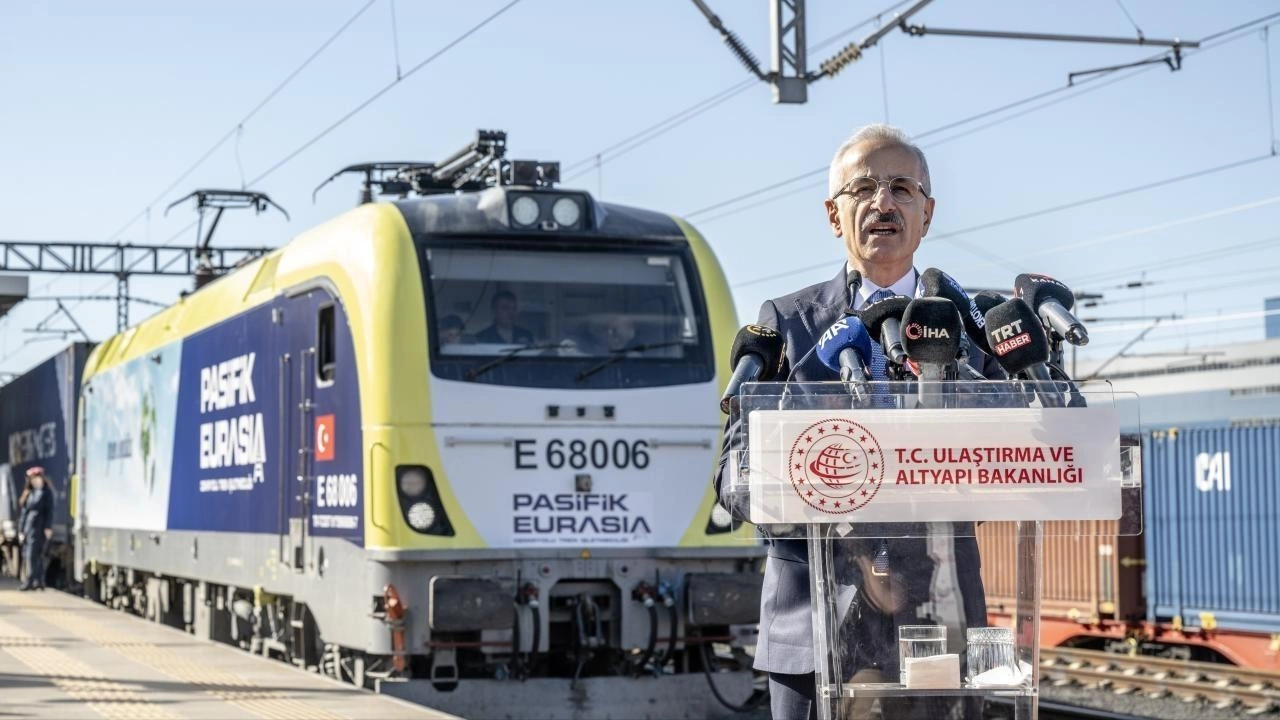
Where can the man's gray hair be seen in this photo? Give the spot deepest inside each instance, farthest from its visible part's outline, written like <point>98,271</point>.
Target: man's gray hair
<point>876,135</point>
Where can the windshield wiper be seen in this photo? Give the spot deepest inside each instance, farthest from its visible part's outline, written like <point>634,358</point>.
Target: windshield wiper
<point>510,355</point>
<point>617,355</point>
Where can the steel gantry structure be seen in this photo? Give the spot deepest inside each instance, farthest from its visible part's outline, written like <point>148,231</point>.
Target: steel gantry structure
<point>121,261</point>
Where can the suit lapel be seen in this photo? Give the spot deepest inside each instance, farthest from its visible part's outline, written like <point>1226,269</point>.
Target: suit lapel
<point>830,302</point>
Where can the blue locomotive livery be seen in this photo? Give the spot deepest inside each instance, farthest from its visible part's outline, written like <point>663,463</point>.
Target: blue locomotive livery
<point>195,435</point>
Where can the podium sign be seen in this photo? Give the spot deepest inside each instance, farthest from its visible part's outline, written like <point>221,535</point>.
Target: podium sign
<point>924,465</point>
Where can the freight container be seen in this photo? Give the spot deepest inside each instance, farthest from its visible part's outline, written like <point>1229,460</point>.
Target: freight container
<point>38,427</point>
<point>1089,574</point>
<point>1213,525</point>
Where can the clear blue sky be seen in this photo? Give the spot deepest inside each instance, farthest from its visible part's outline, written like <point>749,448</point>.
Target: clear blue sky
<point>102,106</point>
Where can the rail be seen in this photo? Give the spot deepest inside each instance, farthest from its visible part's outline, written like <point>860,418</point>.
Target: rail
<point>1225,686</point>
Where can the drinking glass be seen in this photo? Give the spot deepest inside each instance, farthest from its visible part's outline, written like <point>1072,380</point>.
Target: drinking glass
<point>917,641</point>
<point>991,655</point>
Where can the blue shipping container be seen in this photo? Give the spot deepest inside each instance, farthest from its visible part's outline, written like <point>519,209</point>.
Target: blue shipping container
<point>1212,505</point>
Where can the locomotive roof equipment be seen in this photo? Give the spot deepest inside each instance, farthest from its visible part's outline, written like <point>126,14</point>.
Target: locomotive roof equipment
<point>219,200</point>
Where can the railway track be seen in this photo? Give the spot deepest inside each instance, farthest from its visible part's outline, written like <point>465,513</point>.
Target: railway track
<point>1224,687</point>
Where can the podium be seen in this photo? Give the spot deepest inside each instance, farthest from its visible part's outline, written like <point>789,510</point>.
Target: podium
<point>886,483</point>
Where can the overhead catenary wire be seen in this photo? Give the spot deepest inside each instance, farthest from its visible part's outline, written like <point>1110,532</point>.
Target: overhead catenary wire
<point>665,125</point>
<point>1271,106</point>
<point>1207,44</point>
<point>1089,83</point>
<point>348,115</point>
<point>1194,290</point>
<point>954,235</point>
<point>329,129</point>
<point>239,126</point>
<point>1179,261</point>
<point>1129,15</point>
<point>1147,230</point>
<point>383,91</point>
<point>234,132</point>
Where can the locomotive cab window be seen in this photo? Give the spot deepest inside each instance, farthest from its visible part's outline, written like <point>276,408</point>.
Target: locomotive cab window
<point>595,317</point>
<point>326,345</point>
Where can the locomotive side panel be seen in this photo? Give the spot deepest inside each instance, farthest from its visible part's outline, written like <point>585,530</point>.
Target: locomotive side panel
<point>38,428</point>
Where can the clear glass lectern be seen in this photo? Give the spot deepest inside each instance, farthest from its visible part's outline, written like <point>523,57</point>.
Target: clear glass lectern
<point>883,486</point>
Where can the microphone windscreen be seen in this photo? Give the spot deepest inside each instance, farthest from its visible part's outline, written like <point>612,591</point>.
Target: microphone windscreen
<point>1035,289</point>
<point>765,343</point>
<point>1017,338</point>
<point>847,332</point>
<point>874,315</point>
<point>935,283</point>
<point>931,330</point>
<point>987,299</point>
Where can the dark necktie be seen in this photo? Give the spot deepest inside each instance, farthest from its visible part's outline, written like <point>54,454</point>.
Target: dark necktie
<point>879,365</point>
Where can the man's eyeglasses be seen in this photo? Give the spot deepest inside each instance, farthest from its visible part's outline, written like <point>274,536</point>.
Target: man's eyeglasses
<point>901,189</point>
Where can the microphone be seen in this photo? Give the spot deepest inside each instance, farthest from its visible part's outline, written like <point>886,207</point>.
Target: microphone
<point>1052,301</point>
<point>1019,344</point>
<point>987,299</point>
<point>758,354</point>
<point>935,283</point>
<point>884,321</point>
<point>846,348</point>
<point>931,330</point>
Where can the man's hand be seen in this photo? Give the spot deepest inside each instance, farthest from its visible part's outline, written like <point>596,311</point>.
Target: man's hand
<point>48,533</point>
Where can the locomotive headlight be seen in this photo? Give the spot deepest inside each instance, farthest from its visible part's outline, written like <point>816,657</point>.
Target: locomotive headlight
<point>524,210</point>
<point>421,515</point>
<point>720,517</point>
<point>566,212</point>
<point>413,482</point>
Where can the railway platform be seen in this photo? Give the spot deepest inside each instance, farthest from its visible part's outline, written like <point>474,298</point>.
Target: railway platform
<point>66,657</point>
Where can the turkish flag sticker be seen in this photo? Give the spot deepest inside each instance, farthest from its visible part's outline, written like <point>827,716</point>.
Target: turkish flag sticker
<point>324,437</point>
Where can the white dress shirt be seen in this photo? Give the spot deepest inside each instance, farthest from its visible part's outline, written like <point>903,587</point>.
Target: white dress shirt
<point>908,285</point>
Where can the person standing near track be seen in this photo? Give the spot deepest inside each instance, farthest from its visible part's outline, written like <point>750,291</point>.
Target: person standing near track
<point>35,520</point>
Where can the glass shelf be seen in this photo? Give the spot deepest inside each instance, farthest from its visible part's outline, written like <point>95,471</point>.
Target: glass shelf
<point>885,690</point>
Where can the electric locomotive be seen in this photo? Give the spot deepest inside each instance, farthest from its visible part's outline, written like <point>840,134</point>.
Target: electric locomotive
<point>441,443</point>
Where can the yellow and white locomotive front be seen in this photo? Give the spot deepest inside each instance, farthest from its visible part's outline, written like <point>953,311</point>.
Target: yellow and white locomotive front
<point>575,360</point>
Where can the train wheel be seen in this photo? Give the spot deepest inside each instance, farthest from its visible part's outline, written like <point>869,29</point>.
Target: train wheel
<point>346,665</point>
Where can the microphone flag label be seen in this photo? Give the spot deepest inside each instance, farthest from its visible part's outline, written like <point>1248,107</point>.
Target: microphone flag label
<point>934,465</point>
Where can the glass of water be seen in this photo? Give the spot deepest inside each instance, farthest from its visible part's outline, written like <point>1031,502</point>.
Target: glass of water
<point>992,659</point>
<point>917,641</point>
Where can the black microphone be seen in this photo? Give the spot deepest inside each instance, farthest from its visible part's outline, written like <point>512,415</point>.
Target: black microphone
<point>931,330</point>
<point>1052,301</point>
<point>1019,344</point>
<point>935,283</point>
<point>758,355</point>
<point>987,299</point>
<point>884,321</point>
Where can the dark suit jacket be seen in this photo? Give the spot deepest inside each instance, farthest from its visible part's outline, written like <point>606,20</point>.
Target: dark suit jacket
<point>519,335</point>
<point>786,625</point>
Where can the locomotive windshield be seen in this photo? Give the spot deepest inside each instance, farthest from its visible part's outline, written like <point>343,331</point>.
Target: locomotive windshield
<point>589,318</point>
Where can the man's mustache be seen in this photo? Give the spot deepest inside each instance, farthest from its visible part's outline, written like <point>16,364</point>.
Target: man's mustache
<point>878,217</point>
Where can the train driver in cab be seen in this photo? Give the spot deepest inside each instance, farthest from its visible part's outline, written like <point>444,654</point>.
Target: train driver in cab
<point>503,330</point>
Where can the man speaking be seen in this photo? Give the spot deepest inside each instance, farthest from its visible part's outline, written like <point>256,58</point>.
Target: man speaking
<point>880,205</point>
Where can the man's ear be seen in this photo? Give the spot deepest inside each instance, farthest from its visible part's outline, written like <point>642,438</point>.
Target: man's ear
<point>833,217</point>
<point>928,216</point>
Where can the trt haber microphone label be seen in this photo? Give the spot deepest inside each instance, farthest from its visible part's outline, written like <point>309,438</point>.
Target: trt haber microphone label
<point>931,465</point>
<point>1009,337</point>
